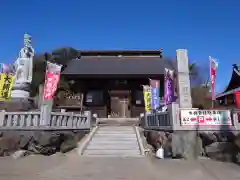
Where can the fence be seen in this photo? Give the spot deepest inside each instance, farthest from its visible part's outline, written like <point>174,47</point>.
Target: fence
<point>171,120</point>
<point>158,121</point>
<point>33,121</point>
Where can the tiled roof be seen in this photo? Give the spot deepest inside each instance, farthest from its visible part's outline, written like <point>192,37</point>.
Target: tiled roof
<point>119,65</point>
<point>234,83</point>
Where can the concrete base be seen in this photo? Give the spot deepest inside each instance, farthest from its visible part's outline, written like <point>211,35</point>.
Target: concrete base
<point>17,104</point>
<point>21,90</point>
<point>20,94</point>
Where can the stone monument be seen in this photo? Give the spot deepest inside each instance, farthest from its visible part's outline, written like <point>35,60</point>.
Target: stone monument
<point>184,89</point>
<point>23,70</point>
<point>184,142</point>
<point>20,95</point>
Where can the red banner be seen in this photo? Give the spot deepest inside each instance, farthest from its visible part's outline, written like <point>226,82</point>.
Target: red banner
<point>51,83</point>
<point>237,102</point>
<point>213,74</point>
<point>237,99</point>
<point>51,80</point>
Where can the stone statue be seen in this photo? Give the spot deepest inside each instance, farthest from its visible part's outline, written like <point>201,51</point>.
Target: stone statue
<point>23,70</point>
<point>23,64</point>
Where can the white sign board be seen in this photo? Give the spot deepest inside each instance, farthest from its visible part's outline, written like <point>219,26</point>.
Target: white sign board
<point>193,117</point>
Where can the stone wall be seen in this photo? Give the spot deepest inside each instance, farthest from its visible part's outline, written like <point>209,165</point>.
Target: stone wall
<point>222,146</point>
<point>39,142</point>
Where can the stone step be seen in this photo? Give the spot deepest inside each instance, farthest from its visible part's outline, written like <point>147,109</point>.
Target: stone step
<point>115,136</point>
<point>122,141</point>
<point>132,139</point>
<point>94,147</point>
<point>115,132</point>
<point>115,141</point>
<point>114,155</point>
<point>116,127</point>
<point>103,142</point>
<point>112,152</point>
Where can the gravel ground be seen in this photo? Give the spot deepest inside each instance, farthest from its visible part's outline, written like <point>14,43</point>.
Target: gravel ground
<point>73,167</point>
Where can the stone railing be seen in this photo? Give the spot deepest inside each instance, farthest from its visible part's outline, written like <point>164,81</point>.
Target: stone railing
<point>33,121</point>
<point>236,118</point>
<point>170,120</point>
<point>157,121</point>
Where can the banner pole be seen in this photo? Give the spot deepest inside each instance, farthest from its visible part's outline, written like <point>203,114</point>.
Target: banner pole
<point>50,87</point>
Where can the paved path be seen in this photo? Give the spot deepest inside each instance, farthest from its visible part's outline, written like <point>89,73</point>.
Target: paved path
<point>73,167</point>
<point>118,141</point>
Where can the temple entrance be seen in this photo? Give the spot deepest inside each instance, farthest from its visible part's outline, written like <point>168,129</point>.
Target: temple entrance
<point>119,104</point>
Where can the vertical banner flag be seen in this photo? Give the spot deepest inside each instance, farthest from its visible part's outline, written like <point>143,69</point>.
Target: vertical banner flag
<point>237,99</point>
<point>168,86</point>
<point>155,99</point>
<point>51,80</point>
<point>237,102</point>
<point>6,84</point>
<point>213,73</point>
<point>147,98</point>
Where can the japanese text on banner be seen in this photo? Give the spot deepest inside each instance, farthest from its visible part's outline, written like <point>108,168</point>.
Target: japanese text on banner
<point>51,83</point>
<point>6,84</point>
<point>213,74</point>
<point>147,98</point>
<point>155,99</point>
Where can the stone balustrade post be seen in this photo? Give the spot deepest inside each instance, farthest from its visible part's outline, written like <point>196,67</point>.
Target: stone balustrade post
<point>2,115</point>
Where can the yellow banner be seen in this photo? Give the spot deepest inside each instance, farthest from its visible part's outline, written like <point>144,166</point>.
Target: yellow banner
<point>147,98</point>
<point>6,84</point>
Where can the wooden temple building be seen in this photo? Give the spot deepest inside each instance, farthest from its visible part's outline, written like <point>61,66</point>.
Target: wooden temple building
<point>227,97</point>
<point>109,83</point>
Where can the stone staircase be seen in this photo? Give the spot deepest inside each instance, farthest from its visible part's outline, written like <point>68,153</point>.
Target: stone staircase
<point>115,141</point>
<point>118,121</point>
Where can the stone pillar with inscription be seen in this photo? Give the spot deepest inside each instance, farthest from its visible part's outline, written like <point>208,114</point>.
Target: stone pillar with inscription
<point>184,140</point>
<point>184,89</point>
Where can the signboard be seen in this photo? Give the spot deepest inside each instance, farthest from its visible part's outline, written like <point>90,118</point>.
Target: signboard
<point>191,117</point>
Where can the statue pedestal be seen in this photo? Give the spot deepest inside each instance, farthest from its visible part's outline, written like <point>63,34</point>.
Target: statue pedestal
<point>17,105</point>
<point>21,90</point>
<point>20,98</point>
<point>20,94</point>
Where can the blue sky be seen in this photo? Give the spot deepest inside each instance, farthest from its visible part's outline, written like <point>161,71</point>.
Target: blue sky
<point>206,27</point>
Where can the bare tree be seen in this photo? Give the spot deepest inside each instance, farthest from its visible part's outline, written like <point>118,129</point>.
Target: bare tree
<point>200,89</point>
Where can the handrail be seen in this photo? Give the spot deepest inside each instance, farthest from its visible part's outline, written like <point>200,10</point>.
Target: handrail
<point>32,120</point>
